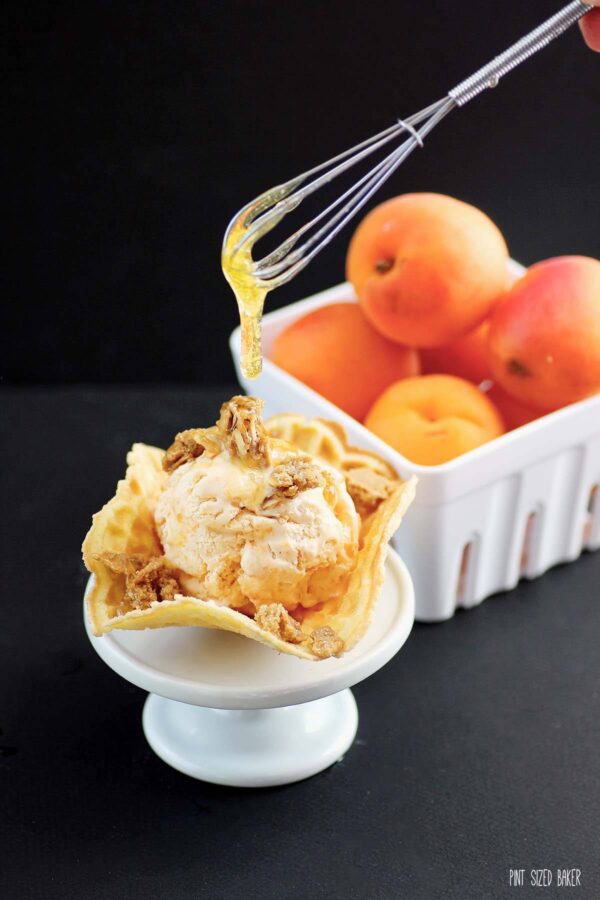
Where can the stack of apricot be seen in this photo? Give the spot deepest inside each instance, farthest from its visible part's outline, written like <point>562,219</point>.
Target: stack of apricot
<point>445,350</point>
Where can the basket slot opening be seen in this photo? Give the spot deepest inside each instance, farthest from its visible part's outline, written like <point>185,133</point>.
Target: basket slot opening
<point>528,538</point>
<point>591,511</point>
<point>463,573</point>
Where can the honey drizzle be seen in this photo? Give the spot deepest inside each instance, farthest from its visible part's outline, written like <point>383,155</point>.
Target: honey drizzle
<point>249,290</point>
<point>250,295</point>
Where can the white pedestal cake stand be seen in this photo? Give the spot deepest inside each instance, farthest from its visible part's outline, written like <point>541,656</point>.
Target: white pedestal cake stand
<point>231,711</point>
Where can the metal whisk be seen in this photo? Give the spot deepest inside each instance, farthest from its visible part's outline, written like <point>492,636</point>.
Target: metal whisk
<point>266,211</point>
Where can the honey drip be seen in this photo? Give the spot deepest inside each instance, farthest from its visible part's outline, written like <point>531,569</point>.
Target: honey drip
<point>250,295</point>
<point>238,268</point>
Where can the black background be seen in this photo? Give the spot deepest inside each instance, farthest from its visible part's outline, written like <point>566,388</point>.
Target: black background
<point>133,132</point>
<point>136,129</point>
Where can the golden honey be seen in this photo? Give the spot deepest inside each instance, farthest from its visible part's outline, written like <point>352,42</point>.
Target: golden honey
<point>250,295</point>
<point>239,268</point>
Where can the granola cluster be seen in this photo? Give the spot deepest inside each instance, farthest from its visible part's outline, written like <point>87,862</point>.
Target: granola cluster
<point>187,445</point>
<point>239,430</point>
<point>274,618</point>
<point>294,475</point>
<point>242,429</point>
<point>325,642</point>
<point>147,579</point>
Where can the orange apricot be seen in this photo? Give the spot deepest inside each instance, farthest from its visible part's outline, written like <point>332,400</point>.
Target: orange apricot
<point>335,351</point>
<point>513,413</point>
<point>467,357</point>
<point>544,339</point>
<point>427,268</point>
<point>434,418</point>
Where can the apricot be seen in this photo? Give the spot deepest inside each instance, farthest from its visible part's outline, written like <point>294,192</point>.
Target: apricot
<point>335,351</point>
<point>467,357</point>
<point>513,413</point>
<point>544,339</point>
<point>434,418</point>
<point>427,268</point>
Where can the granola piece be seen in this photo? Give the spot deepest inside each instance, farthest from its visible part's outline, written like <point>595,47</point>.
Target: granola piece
<point>274,618</point>
<point>155,581</point>
<point>147,580</point>
<point>294,475</point>
<point>188,445</point>
<point>123,563</point>
<point>240,430</point>
<point>325,642</point>
<point>242,426</point>
<point>367,489</point>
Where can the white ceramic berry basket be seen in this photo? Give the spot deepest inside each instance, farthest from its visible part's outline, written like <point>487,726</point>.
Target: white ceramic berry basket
<point>509,509</point>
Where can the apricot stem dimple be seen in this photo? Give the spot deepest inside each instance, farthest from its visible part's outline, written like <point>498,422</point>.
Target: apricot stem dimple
<point>383,265</point>
<point>515,367</point>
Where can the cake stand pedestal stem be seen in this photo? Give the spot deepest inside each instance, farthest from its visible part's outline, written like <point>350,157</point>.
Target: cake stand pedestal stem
<point>251,747</point>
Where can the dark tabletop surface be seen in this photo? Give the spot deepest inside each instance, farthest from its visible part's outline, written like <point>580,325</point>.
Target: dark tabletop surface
<point>477,749</point>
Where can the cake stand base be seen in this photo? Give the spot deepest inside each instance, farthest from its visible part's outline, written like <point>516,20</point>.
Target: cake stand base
<point>251,747</point>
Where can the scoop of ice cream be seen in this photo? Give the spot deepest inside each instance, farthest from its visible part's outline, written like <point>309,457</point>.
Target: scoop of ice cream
<point>281,528</point>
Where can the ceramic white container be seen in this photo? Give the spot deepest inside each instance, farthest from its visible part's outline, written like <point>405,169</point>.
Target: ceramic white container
<point>509,509</point>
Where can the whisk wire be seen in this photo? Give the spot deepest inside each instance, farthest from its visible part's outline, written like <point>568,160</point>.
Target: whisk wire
<point>281,264</point>
<point>282,201</point>
<point>266,211</point>
<point>379,174</point>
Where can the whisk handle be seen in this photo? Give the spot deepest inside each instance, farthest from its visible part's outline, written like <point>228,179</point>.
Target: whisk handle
<point>489,76</point>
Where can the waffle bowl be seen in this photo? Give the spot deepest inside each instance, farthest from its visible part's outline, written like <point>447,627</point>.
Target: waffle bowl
<point>126,525</point>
